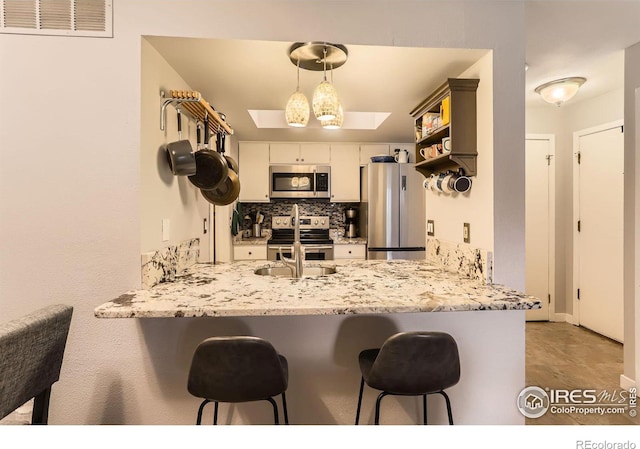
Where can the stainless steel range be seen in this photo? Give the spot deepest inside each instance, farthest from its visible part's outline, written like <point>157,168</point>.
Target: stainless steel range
<point>314,235</point>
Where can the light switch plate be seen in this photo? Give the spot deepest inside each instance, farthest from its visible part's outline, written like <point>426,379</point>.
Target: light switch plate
<point>431,230</point>
<point>466,232</point>
<point>165,229</point>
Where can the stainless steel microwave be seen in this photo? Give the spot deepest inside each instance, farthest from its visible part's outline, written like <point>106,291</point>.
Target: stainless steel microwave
<point>300,181</point>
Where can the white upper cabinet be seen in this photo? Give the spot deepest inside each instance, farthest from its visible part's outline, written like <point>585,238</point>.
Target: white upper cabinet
<point>254,172</point>
<point>369,150</point>
<point>315,153</point>
<point>345,173</point>
<point>299,153</point>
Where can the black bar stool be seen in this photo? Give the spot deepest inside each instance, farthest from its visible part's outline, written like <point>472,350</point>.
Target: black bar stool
<point>238,369</point>
<point>411,364</point>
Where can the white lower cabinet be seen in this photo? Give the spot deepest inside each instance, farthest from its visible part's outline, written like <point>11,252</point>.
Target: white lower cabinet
<point>350,252</point>
<point>250,252</point>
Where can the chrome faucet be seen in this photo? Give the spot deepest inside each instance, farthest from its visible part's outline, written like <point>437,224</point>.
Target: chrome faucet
<point>296,263</point>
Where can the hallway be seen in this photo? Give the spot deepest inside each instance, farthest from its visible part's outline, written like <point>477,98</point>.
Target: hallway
<point>563,356</point>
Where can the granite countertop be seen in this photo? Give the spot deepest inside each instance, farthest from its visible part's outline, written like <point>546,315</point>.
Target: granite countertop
<point>370,286</point>
<point>341,240</point>
<point>250,241</point>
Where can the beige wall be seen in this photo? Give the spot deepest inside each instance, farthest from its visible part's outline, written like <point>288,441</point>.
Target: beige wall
<point>631,212</point>
<point>70,184</point>
<point>163,195</point>
<point>476,207</point>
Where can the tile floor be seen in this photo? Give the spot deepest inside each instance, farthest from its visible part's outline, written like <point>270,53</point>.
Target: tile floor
<point>564,356</point>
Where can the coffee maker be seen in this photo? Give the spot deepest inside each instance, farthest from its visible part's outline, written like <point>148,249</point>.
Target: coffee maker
<point>351,222</point>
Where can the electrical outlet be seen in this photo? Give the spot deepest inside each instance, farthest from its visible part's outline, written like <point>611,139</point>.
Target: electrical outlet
<point>431,231</point>
<point>466,232</point>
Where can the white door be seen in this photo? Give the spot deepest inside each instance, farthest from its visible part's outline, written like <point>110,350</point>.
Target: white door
<point>539,171</point>
<point>600,236</point>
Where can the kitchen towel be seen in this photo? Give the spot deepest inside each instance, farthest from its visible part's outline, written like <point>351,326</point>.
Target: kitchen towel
<point>235,219</point>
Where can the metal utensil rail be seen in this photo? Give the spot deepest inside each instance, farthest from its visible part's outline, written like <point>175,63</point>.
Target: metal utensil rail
<point>197,107</point>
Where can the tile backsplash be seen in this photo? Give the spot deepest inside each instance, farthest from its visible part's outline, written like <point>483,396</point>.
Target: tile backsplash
<point>335,211</point>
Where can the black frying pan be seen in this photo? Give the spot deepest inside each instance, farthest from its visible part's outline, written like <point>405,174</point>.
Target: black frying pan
<point>233,165</point>
<point>212,168</point>
<point>226,193</point>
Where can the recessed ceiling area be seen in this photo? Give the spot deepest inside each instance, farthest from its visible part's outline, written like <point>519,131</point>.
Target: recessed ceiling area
<point>239,76</point>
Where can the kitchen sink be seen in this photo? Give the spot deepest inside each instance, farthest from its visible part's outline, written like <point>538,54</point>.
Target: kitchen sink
<point>286,272</point>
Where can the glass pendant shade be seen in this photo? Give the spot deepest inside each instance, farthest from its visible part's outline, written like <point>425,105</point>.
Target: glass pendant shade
<point>325,101</point>
<point>335,123</point>
<point>559,91</point>
<point>297,110</point>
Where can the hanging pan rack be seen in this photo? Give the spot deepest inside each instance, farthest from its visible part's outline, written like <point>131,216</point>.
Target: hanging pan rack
<point>192,102</point>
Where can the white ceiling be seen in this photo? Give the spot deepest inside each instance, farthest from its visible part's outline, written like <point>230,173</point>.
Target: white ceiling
<point>564,38</point>
<point>236,76</point>
<point>579,38</point>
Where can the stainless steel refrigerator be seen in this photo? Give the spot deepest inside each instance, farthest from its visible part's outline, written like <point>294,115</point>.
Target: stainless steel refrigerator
<point>392,213</point>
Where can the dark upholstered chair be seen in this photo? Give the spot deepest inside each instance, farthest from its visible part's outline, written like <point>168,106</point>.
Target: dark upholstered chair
<point>31,352</point>
<point>411,364</point>
<point>238,369</point>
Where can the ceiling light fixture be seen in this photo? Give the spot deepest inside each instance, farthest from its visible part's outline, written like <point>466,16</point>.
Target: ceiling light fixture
<point>559,91</point>
<point>297,110</point>
<point>315,56</point>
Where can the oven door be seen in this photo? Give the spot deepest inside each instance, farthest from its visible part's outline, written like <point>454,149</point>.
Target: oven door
<point>312,252</point>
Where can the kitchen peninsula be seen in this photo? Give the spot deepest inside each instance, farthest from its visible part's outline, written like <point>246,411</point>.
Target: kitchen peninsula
<point>321,323</point>
<point>373,286</point>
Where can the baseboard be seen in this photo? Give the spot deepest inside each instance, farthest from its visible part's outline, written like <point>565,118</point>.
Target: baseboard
<point>626,382</point>
<point>562,318</point>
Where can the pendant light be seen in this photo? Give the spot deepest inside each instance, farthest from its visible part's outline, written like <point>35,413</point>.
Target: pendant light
<point>316,56</point>
<point>297,110</point>
<point>325,97</point>
<point>336,122</point>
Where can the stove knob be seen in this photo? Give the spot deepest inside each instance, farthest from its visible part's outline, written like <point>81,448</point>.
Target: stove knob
<point>277,221</point>
<point>284,222</point>
<point>315,222</point>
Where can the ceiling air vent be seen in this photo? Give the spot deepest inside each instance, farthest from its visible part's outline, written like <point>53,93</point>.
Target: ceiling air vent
<point>89,18</point>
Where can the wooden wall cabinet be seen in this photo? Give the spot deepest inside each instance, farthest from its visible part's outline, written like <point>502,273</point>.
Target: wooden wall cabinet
<point>449,112</point>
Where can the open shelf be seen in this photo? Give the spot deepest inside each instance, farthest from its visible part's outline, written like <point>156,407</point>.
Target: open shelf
<point>454,104</point>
